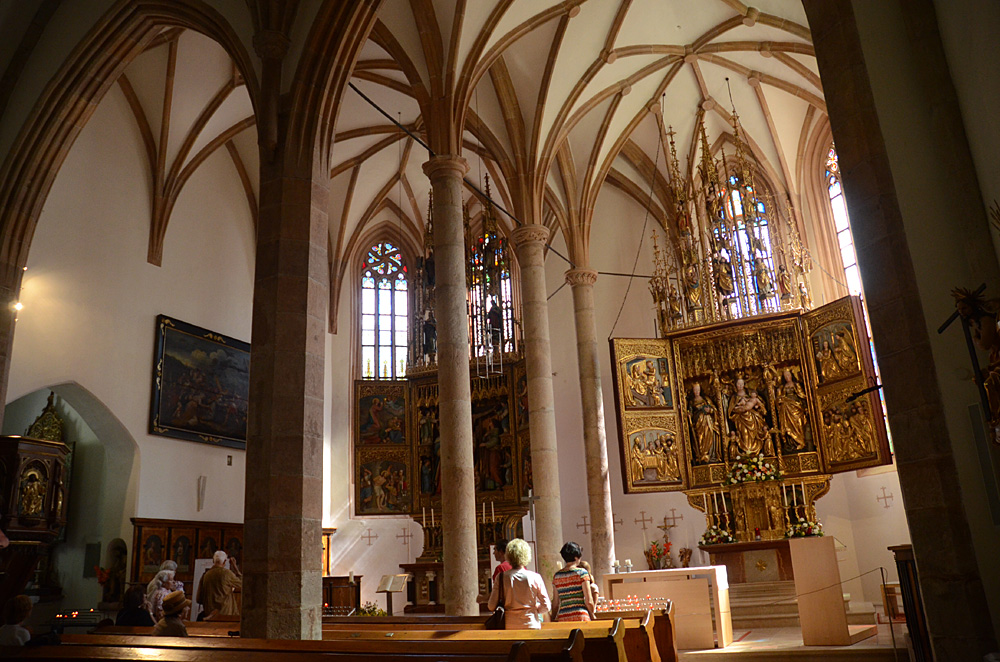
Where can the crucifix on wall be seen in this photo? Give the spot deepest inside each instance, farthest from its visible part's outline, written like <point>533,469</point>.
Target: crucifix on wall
<point>669,522</point>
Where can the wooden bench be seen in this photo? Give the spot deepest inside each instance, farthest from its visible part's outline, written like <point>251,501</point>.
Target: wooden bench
<point>663,631</point>
<point>430,622</point>
<point>603,641</point>
<point>195,629</point>
<point>637,644</point>
<point>566,648</point>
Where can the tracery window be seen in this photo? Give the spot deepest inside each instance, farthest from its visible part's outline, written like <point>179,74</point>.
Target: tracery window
<point>384,317</point>
<point>842,226</point>
<point>490,296</point>
<point>749,237</point>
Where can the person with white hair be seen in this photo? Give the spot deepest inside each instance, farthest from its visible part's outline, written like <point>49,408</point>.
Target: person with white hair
<point>166,565</point>
<point>162,584</point>
<point>215,590</point>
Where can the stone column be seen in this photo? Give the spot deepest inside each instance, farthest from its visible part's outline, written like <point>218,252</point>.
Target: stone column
<point>529,242</point>
<point>282,573</point>
<point>458,491</point>
<point>602,535</point>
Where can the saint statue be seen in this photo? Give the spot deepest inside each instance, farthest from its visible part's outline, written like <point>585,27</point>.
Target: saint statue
<point>706,430</point>
<point>667,466</point>
<point>863,434</point>
<point>746,411</point>
<point>674,303</point>
<point>762,279</point>
<point>792,409</point>
<point>723,275</point>
<point>784,283</point>
<point>430,336</point>
<point>805,301</point>
<point>692,286</point>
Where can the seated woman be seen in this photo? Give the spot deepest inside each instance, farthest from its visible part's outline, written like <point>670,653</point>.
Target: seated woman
<point>162,584</point>
<point>134,612</point>
<point>524,597</point>
<point>574,599</point>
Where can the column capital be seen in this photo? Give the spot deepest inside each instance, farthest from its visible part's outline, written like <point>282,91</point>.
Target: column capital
<point>581,277</point>
<point>446,165</point>
<point>529,233</point>
<point>271,44</point>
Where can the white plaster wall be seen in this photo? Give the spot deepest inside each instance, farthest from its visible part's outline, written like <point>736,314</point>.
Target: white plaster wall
<point>91,299</point>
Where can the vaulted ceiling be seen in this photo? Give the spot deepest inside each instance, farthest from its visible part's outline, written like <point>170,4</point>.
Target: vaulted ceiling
<point>560,98</point>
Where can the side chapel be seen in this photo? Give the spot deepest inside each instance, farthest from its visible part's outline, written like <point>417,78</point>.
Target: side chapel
<point>353,289</point>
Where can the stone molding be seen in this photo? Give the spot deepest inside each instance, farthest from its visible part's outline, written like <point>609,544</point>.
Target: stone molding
<point>270,44</point>
<point>581,277</point>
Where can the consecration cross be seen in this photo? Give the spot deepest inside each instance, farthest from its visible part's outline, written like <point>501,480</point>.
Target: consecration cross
<point>884,498</point>
<point>616,522</point>
<point>585,525</point>
<point>643,519</point>
<point>369,536</point>
<point>405,536</point>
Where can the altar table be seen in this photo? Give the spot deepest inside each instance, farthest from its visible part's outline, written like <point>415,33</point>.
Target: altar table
<point>697,594</point>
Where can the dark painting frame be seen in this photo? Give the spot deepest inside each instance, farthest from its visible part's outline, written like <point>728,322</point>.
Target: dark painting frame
<point>201,385</point>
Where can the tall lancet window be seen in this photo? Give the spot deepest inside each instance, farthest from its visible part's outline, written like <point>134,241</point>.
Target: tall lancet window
<point>843,227</point>
<point>383,313</point>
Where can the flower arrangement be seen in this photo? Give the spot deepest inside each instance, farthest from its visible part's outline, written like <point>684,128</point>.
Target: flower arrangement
<point>804,528</point>
<point>750,468</point>
<point>657,554</point>
<point>102,574</point>
<point>715,535</point>
<point>370,609</point>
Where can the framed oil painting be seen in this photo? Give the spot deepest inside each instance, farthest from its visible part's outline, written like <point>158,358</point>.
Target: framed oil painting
<point>383,485</point>
<point>201,385</point>
<point>381,413</point>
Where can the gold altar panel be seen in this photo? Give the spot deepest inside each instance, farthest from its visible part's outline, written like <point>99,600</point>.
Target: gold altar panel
<point>654,457</point>
<point>852,425</point>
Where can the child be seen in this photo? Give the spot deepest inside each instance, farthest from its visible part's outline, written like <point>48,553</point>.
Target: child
<point>15,613</point>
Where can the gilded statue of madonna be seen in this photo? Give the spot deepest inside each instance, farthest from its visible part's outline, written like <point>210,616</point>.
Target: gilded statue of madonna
<point>746,411</point>
<point>706,430</point>
<point>791,408</point>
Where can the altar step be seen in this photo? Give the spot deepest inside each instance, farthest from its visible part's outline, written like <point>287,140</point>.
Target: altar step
<point>773,605</point>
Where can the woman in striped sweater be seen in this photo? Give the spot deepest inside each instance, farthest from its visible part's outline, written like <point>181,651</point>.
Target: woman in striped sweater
<point>574,600</point>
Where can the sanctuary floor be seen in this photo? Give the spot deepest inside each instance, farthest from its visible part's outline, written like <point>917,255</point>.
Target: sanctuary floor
<point>765,644</point>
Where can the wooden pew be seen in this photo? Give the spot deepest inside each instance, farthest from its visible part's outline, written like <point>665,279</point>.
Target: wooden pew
<point>566,648</point>
<point>604,641</point>
<point>663,630</point>
<point>195,629</point>
<point>429,622</point>
<point>346,652</point>
<point>638,643</point>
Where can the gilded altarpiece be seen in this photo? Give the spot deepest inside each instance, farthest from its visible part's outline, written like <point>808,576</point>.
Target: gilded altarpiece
<point>411,453</point>
<point>794,386</point>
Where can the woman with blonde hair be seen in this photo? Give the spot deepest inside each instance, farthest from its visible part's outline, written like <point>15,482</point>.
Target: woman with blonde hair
<point>524,596</point>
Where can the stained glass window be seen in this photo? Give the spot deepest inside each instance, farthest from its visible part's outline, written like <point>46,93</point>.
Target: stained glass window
<point>384,308</point>
<point>842,226</point>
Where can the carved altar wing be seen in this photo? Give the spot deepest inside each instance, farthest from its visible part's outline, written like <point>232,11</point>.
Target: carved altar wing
<point>653,452</point>
<point>851,426</point>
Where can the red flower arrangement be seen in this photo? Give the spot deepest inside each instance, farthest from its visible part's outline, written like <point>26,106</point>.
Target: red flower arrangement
<point>656,553</point>
<point>102,574</point>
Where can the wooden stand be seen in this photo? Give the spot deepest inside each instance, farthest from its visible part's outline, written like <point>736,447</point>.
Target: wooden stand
<point>341,594</point>
<point>821,596</point>
<point>696,593</point>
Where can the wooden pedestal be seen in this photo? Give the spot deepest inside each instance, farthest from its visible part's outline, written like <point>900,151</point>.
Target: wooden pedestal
<point>341,594</point>
<point>821,595</point>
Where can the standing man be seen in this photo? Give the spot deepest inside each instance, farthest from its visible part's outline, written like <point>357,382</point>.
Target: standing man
<point>215,590</point>
<point>500,554</point>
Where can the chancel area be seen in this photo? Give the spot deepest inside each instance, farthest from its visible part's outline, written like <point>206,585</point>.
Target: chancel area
<point>341,297</point>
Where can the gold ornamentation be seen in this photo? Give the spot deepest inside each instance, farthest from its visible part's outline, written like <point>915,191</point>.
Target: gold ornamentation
<point>48,426</point>
<point>761,565</point>
<point>34,483</point>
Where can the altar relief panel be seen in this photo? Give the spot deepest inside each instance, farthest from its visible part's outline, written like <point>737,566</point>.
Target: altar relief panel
<point>793,386</point>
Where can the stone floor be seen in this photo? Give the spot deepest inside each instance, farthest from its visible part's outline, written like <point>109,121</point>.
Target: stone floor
<point>766,644</point>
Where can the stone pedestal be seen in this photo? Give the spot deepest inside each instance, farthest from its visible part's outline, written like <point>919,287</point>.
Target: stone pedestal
<point>529,242</point>
<point>594,439</point>
<point>458,496</point>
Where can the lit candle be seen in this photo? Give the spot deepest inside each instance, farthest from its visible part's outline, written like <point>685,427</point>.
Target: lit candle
<point>493,515</point>
<point>423,519</point>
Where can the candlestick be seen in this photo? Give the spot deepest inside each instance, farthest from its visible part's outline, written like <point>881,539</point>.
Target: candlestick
<point>784,496</point>
<point>704,501</point>
<point>423,517</point>
<point>350,577</point>
<point>432,519</point>
<point>493,515</point>
<point>795,496</point>
<point>805,501</point>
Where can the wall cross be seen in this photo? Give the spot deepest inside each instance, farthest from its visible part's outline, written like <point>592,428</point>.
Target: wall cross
<point>585,525</point>
<point>885,498</point>
<point>644,519</point>
<point>369,536</point>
